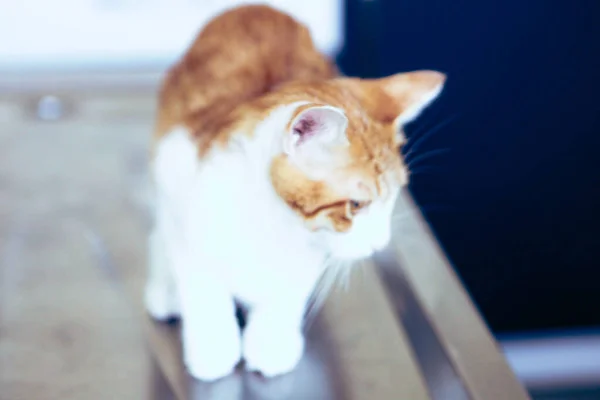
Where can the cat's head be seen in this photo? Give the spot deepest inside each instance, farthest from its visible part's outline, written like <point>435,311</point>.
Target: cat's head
<point>341,168</point>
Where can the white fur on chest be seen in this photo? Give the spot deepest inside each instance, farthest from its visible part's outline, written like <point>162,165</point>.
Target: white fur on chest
<point>228,213</point>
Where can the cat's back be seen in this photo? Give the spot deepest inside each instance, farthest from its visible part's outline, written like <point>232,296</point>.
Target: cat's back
<point>239,55</point>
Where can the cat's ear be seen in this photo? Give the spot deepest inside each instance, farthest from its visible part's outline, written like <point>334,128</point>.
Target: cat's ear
<point>410,93</point>
<point>315,129</point>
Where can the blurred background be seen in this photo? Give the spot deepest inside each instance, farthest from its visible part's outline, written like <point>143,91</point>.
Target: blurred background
<point>510,175</point>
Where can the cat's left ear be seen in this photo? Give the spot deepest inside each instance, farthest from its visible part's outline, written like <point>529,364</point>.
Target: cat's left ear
<point>314,131</point>
<point>409,93</point>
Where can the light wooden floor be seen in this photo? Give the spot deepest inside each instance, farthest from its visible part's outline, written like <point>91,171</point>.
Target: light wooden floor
<point>73,222</point>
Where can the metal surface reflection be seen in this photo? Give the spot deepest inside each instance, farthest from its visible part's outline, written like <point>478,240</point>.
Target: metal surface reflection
<point>443,381</point>
<point>458,355</point>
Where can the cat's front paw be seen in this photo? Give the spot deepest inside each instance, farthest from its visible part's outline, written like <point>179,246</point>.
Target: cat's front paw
<point>272,351</point>
<point>209,357</point>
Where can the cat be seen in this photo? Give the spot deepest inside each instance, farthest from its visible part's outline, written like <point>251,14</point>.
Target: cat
<point>267,165</point>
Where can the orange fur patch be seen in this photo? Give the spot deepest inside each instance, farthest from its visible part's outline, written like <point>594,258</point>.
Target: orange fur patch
<point>239,55</point>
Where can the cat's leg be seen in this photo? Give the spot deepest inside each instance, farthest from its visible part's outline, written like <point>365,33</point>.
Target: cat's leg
<point>273,341</point>
<point>161,297</point>
<point>211,335</point>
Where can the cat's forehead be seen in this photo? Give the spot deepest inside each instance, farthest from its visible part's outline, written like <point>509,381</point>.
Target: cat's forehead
<point>371,178</point>
<point>372,152</point>
<point>370,135</point>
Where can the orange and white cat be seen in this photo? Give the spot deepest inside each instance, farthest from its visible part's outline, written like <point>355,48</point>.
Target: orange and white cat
<point>267,166</point>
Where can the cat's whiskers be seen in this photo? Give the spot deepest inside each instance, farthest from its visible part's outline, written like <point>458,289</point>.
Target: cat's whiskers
<point>316,300</point>
<point>337,272</point>
<point>414,144</point>
<point>412,162</point>
<point>345,271</point>
<point>425,169</point>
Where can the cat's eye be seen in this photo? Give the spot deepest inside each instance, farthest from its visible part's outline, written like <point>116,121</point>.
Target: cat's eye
<point>356,205</point>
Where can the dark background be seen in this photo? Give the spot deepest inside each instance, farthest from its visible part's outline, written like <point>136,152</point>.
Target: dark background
<point>515,202</point>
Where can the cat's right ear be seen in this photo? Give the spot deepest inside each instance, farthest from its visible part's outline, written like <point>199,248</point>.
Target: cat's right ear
<point>313,130</point>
